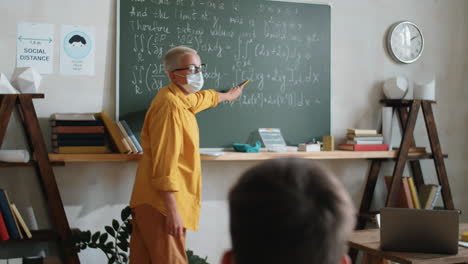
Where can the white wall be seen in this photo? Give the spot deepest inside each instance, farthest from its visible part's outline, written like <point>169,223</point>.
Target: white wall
<point>94,193</point>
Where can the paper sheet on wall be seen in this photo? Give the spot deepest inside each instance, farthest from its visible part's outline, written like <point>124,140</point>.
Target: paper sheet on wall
<point>77,50</point>
<point>35,47</point>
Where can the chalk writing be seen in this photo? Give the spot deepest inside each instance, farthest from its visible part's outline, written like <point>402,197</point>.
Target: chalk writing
<point>270,48</point>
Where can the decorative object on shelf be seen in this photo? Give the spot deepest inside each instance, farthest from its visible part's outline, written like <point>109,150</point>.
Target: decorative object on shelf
<point>5,86</point>
<point>309,147</point>
<point>387,121</point>
<point>424,91</point>
<point>396,87</point>
<point>328,143</point>
<point>405,42</point>
<point>116,251</point>
<point>27,79</point>
<point>247,148</point>
<point>14,155</point>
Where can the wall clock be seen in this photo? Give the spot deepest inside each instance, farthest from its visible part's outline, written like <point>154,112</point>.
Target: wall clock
<point>405,42</point>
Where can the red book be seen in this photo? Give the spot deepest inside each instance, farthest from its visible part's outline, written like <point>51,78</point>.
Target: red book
<point>366,147</point>
<point>3,230</point>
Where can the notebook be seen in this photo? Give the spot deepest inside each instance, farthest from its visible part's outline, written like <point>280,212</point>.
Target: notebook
<point>417,230</point>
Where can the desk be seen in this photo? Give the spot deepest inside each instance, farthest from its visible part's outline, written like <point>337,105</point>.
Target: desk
<point>369,242</point>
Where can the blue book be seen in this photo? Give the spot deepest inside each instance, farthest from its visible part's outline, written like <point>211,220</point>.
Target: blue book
<point>131,135</point>
<point>8,215</point>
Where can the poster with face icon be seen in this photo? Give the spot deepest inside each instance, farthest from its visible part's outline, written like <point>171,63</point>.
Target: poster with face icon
<point>77,50</point>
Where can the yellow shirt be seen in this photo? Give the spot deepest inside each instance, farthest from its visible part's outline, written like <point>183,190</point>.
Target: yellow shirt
<point>171,156</point>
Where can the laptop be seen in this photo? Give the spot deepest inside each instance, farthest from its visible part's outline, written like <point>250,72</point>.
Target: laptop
<point>417,230</point>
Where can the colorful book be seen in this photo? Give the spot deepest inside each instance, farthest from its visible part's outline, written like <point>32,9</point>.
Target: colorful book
<point>370,138</point>
<point>414,193</point>
<point>131,135</point>
<point>414,149</point>
<point>78,136</point>
<point>126,137</point>
<point>357,131</point>
<point>365,142</point>
<point>78,129</point>
<point>21,222</point>
<point>76,123</point>
<point>437,195</point>
<point>427,193</point>
<point>114,133</point>
<point>82,150</point>
<point>78,142</point>
<point>8,215</point>
<point>404,197</point>
<point>360,147</point>
<point>73,116</point>
<point>3,229</point>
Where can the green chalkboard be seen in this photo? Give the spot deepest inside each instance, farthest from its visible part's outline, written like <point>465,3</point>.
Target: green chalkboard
<point>283,48</point>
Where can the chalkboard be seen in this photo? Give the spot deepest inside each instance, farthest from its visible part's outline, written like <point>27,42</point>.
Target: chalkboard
<point>283,48</point>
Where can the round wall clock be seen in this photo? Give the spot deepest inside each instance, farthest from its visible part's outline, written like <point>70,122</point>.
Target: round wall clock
<point>405,42</point>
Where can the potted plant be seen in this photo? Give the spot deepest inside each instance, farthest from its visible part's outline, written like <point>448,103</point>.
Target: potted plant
<point>114,242</point>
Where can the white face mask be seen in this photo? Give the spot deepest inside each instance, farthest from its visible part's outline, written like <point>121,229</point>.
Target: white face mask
<point>194,82</point>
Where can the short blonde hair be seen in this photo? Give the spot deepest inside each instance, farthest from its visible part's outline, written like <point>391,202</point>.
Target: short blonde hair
<point>172,58</point>
<point>304,213</point>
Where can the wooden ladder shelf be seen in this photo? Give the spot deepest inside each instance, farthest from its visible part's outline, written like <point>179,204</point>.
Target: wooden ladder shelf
<point>43,167</point>
<point>407,111</point>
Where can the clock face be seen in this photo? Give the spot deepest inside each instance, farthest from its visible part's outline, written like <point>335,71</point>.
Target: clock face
<point>405,42</point>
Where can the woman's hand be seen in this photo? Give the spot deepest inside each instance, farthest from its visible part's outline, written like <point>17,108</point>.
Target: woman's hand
<point>174,224</point>
<point>231,95</point>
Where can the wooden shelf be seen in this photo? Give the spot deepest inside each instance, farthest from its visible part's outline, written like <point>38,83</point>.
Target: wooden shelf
<point>239,156</point>
<point>37,236</point>
<point>114,157</point>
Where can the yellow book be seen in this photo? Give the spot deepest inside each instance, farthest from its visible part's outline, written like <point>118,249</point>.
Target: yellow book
<point>81,150</point>
<point>114,133</point>
<point>414,193</point>
<point>127,139</point>
<point>21,222</point>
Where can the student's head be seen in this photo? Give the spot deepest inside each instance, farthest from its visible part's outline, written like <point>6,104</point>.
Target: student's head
<point>289,211</point>
<point>180,62</point>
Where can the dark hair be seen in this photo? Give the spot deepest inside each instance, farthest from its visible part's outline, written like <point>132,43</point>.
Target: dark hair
<point>289,211</point>
<point>77,38</point>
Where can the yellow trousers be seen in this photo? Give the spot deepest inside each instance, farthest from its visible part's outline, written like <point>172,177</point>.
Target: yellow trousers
<point>150,243</point>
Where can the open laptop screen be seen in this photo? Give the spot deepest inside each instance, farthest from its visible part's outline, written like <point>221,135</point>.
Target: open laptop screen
<point>417,230</point>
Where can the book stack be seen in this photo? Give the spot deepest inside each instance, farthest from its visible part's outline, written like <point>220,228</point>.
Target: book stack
<point>12,225</point>
<point>122,136</point>
<point>409,197</point>
<point>363,140</point>
<point>78,133</point>
<point>415,150</point>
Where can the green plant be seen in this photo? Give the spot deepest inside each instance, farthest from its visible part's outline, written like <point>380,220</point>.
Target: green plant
<point>194,259</point>
<point>118,235</point>
<point>114,243</point>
